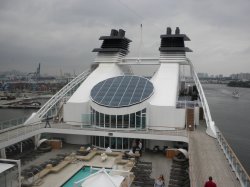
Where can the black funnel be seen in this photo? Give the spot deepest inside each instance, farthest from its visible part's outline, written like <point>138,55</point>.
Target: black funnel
<point>116,42</point>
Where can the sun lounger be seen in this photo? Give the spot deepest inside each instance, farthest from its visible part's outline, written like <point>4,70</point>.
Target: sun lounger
<point>60,166</point>
<point>88,157</point>
<point>43,173</point>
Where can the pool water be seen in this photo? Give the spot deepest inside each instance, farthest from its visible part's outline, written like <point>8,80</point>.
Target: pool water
<point>82,173</point>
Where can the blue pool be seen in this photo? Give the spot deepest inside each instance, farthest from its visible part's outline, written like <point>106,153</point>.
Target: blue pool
<point>82,173</point>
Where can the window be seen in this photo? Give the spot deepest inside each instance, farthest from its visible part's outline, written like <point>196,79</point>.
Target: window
<point>130,143</point>
<point>113,121</point>
<point>97,119</point>
<point>101,141</point>
<point>119,121</point>
<point>92,116</point>
<point>113,143</point>
<point>138,119</point>
<point>143,121</point>
<point>125,143</point>
<point>126,121</point>
<point>107,121</point>
<point>106,142</point>
<point>97,141</point>
<point>101,120</point>
<point>132,120</point>
<point>119,143</point>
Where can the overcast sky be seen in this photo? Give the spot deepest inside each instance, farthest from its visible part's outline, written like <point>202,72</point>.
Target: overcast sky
<point>60,34</point>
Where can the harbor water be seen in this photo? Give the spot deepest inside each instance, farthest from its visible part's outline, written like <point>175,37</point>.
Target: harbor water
<point>231,115</point>
<point>10,113</point>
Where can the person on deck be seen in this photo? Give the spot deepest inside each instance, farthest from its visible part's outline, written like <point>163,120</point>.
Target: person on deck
<point>140,148</point>
<point>47,124</point>
<point>160,182</point>
<point>210,183</point>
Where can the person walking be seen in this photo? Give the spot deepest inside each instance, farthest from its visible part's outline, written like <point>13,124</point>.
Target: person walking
<point>47,124</point>
<point>140,147</point>
<point>210,183</point>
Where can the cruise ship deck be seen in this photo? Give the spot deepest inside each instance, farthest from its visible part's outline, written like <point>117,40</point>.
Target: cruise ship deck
<point>112,107</point>
<point>206,157</point>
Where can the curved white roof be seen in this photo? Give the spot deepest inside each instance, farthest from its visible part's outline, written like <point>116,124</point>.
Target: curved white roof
<point>4,167</point>
<point>165,83</point>
<point>103,71</point>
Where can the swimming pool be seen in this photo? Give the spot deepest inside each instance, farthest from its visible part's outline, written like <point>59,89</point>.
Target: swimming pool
<point>82,173</point>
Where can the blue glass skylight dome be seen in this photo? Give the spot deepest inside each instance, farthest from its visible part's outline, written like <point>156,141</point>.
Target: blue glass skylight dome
<point>122,91</point>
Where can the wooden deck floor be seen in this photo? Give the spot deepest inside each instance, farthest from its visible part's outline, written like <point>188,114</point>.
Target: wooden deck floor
<point>207,159</point>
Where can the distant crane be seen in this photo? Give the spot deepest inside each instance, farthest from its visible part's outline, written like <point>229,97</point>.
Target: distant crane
<point>34,75</point>
<point>38,71</point>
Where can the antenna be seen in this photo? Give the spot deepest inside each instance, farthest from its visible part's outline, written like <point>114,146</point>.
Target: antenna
<point>140,45</point>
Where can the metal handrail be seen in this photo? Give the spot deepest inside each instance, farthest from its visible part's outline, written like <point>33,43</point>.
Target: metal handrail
<point>208,118</point>
<point>61,93</point>
<point>179,132</point>
<point>12,123</point>
<point>186,104</point>
<point>22,130</point>
<point>18,131</point>
<point>235,163</point>
<point>53,101</point>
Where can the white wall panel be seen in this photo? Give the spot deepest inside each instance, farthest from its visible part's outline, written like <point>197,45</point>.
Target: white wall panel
<point>164,117</point>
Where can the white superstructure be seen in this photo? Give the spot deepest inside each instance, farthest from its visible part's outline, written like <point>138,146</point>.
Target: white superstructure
<point>158,112</point>
<point>111,106</point>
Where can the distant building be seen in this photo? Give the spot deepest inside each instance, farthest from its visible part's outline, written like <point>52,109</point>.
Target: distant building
<point>202,75</point>
<point>241,76</point>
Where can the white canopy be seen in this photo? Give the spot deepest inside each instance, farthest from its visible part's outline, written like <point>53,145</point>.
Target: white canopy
<point>103,179</point>
<point>4,167</point>
<point>41,141</point>
<point>184,152</point>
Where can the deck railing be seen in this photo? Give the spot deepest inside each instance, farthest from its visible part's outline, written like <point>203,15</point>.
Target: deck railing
<point>22,130</point>
<point>19,131</point>
<point>233,160</point>
<point>12,123</point>
<point>211,130</point>
<point>187,104</point>
<point>178,132</point>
